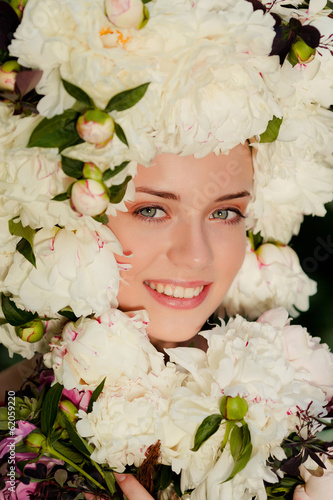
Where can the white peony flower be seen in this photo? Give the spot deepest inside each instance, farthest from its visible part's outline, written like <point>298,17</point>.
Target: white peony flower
<point>113,346</point>
<point>76,269</point>
<point>305,352</point>
<point>129,416</point>
<point>246,359</point>
<point>270,277</point>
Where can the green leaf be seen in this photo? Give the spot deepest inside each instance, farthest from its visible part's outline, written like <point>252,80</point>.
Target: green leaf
<point>57,132</point>
<point>112,172</point>
<point>71,167</point>
<point>78,94</point>
<point>17,229</point>
<point>206,429</point>
<point>3,418</point>
<point>22,448</point>
<point>146,1</point>
<point>96,394</point>
<point>61,197</point>
<point>25,245</point>
<point>14,315</point>
<point>50,408</point>
<point>325,435</point>
<point>117,193</point>
<point>3,321</point>
<point>67,312</point>
<point>255,239</point>
<point>110,481</point>
<point>77,440</point>
<point>120,133</point>
<point>240,439</point>
<point>126,99</point>
<point>240,448</point>
<point>67,452</point>
<point>104,219</point>
<point>164,477</point>
<point>272,131</point>
<point>25,249</point>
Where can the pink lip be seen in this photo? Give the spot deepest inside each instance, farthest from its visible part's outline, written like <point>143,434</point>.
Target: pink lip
<point>177,303</point>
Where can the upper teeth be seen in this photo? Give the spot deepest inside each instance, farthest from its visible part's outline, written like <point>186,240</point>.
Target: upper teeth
<point>176,291</point>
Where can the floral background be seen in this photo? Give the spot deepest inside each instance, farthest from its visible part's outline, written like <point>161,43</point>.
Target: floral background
<point>318,319</point>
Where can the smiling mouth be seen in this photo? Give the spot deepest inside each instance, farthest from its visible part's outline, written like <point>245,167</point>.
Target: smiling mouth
<point>176,291</point>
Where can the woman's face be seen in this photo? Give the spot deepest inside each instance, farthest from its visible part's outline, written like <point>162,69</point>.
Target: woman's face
<point>186,233</point>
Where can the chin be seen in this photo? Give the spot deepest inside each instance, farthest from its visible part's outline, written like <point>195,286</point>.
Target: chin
<point>173,333</point>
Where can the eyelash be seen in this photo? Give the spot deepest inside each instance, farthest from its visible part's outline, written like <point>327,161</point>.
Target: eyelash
<point>234,220</point>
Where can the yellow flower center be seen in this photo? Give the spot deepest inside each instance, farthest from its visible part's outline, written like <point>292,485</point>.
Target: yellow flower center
<point>112,41</point>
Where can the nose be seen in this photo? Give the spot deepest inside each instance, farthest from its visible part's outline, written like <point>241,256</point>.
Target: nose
<point>189,246</point>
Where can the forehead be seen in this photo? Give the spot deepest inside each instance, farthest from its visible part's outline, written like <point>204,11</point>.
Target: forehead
<point>174,173</point>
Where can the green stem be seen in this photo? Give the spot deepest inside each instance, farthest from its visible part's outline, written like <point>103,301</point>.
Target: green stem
<point>56,454</point>
<point>100,470</point>
<point>230,425</point>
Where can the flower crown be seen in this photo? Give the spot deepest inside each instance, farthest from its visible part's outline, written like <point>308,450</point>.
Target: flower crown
<point>91,88</point>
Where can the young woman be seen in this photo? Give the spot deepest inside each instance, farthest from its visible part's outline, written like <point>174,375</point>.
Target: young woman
<point>180,87</point>
<point>185,242</point>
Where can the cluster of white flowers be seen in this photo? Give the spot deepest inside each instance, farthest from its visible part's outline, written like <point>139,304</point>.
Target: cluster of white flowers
<point>213,85</point>
<point>275,375</point>
<point>270,276</point>
<point>75,262</point>
<point>277,368</point>
<point>73,268</point>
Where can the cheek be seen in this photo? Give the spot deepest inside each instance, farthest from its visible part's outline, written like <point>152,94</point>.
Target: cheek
<point>229,257</point>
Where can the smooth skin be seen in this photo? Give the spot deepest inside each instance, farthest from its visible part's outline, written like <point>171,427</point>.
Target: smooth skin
<point>132,488</point>
<point>186,227</point>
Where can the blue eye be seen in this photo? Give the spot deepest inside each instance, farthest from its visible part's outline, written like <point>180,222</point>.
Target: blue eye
<point>150,213</point>
<point>222,214</point>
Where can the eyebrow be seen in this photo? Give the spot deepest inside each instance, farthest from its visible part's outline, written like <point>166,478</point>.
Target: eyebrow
<point>172,196</point>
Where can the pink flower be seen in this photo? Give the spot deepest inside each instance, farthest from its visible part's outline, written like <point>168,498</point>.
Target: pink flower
<point>22,430</point>
<point>316,487</point>
<point>126,13</point>
<point>46,378</point>
<point>79,398</point>
<point>20,490</point>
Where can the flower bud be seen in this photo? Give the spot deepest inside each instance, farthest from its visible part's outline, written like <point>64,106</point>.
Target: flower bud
<point>31,332</point>
<point>91,171</point>
<point>301,53</point>
<point>89,197</point>
<point>68,409</point>
<point>8,72</point>
<point>35,441</point>
<point>127,13</point>
<point>233,408</point>
<point>18,6</point>
<point>96,127</point>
